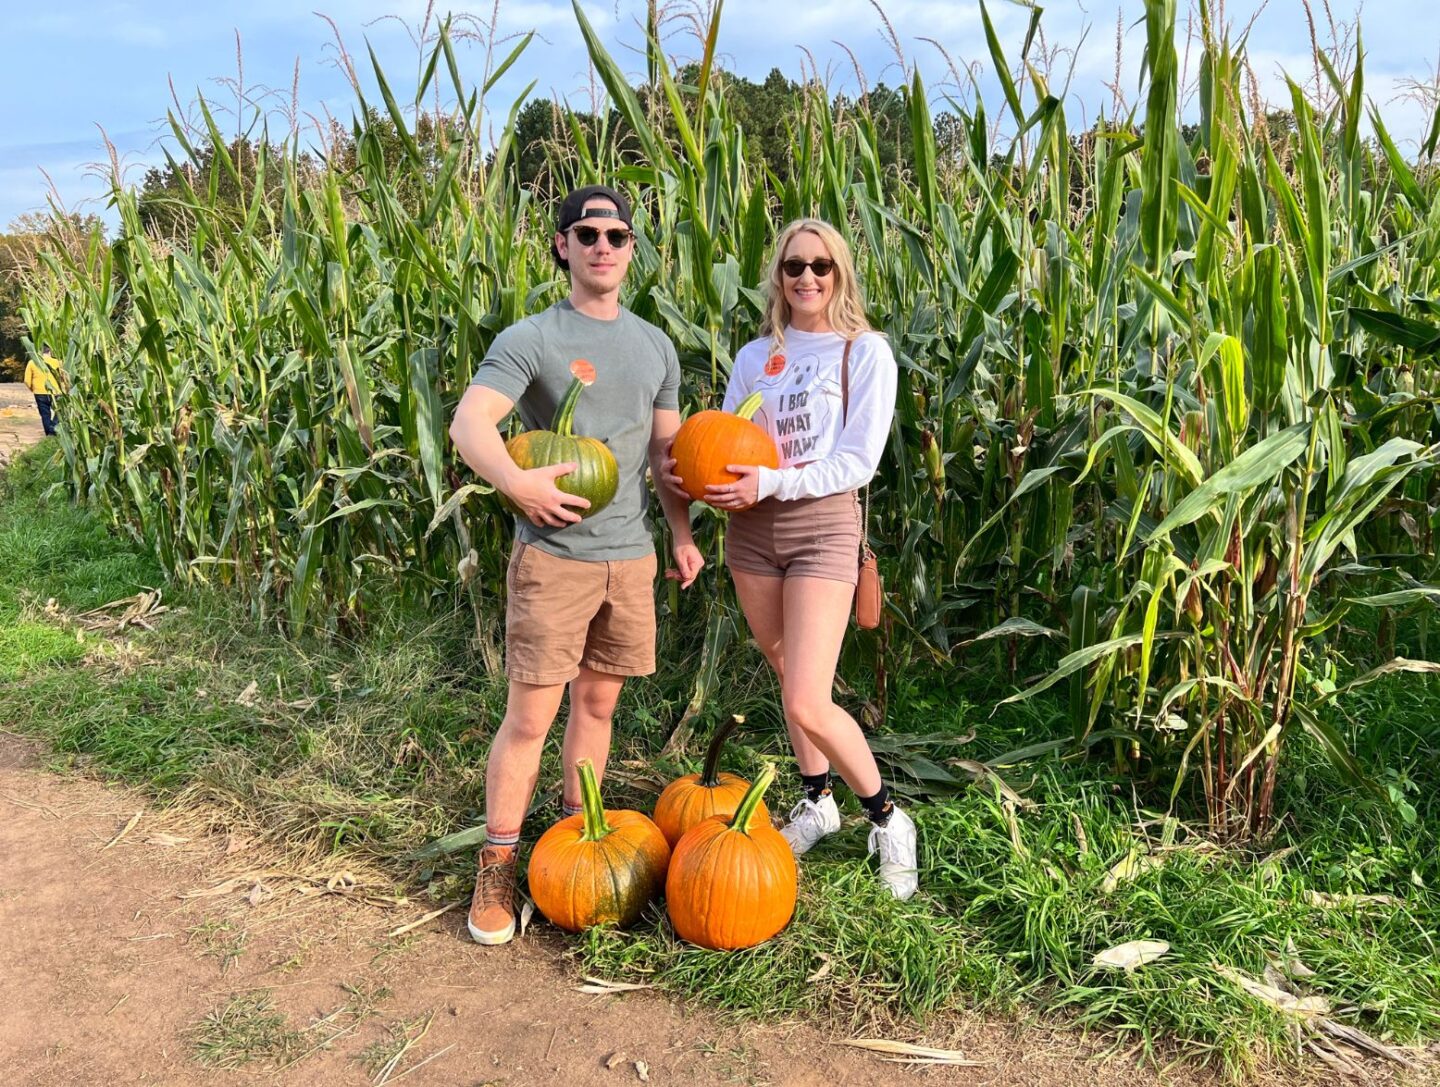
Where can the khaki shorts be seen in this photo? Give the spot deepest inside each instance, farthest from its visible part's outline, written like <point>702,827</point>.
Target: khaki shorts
<point>564,613</point>
<point>804,537</point>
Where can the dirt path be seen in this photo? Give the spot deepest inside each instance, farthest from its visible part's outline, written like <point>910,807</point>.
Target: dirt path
<point>19,421</point>
<point>114,976</point>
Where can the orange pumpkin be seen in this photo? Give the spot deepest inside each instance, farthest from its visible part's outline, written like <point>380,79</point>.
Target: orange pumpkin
<point>689,799</point>
<point>599,867</point>
<point>732,880</point>
<point>709,440</point>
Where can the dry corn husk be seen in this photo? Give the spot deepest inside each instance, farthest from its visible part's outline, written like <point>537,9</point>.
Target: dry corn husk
<point>602,987</point>
<point>905,1053</point>
<point>1305,1007</point>
<point>1335,902</point>
<point>1132,955</point>
<point>1133,865</point>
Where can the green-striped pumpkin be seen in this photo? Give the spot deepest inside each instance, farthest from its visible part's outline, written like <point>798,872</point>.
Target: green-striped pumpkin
<point>596,476</point>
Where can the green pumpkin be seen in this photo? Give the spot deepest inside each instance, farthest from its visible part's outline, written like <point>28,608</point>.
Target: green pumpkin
<point>596,476</point>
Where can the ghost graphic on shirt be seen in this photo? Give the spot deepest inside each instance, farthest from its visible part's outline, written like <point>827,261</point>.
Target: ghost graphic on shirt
<point>798,404</point>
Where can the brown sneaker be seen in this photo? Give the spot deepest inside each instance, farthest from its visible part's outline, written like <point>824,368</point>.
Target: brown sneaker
<point>492,908</point>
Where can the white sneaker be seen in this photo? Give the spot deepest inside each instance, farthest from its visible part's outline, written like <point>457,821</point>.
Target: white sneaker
<point>895,842</point>
<point>811,820</point>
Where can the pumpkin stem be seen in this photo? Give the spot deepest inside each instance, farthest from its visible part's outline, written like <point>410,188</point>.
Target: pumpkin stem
<point>565,415</point>
<point>741,820</point>
<point>595,825</point>
<point>709,776</point>
<point>749,405</point>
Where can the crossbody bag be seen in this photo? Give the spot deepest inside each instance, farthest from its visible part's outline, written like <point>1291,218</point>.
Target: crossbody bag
<point>869,591</point>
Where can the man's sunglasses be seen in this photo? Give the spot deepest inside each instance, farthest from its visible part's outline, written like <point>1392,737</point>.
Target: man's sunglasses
<point>587,236</point>
<point>795,267</point>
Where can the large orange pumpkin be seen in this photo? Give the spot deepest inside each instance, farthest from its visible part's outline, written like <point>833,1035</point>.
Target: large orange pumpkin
<point>689,799</point>
<point>598,867</point>
<point>596,475</point>
<point>732,880</point>
<point>709,440</point>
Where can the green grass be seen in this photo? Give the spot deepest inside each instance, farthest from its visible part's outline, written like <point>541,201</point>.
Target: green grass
<point>998,925</point>
<point>374,746</point>
<point>877,959</point>
<point>49,549</point>
<point>27,646</point>
<point>246,1029</point>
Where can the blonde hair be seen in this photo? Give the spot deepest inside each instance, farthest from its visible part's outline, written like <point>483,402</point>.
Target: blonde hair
<point>846,310</point>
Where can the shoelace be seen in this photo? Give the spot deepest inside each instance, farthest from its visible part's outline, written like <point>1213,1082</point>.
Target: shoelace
<point>886,845</point>
<point>814,824</point>
<point>497,884</point>
<point>878,841</point>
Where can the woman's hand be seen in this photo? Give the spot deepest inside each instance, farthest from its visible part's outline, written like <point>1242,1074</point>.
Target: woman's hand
<point>667,473</point>
<point>741,494</point>
<point>689,562</point>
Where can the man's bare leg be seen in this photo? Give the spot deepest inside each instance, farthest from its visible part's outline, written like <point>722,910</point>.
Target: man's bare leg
<point>510,775</point>
<point>593,696</point>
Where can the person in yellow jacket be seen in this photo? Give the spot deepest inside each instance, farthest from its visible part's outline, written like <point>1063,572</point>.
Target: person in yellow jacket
<point>45,378</point>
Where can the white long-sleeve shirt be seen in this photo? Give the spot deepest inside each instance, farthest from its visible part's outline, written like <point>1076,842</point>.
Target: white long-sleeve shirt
<point>822,451</point>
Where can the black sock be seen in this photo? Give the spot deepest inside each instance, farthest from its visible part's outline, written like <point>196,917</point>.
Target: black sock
<point>816,785</point>
<point>878,807</point>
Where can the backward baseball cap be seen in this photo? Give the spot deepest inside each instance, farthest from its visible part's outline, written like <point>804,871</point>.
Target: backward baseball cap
<point>572,210</point>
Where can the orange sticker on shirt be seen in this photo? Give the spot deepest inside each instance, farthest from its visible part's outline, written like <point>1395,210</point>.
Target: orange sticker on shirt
<point>775,365</point>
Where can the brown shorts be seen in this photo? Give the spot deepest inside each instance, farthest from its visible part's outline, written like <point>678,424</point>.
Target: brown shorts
<point>564,613</point>
<point>804,537</point>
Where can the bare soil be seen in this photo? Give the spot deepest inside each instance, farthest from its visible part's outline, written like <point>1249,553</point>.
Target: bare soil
<point>19,420</point>
<point>114,952</point>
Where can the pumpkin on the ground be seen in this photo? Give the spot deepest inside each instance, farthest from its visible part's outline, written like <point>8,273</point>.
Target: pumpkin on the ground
<point>596,476</point>
<point>732,881</point>
<point>708,441</point>
<point>598,867</point>
<point>689,799</point>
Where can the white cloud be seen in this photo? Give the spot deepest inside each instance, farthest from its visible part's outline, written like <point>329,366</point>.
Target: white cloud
<point>143,38</point>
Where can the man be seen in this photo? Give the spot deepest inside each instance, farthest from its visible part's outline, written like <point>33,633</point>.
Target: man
<point>42,377</point>
<point>580,610</point>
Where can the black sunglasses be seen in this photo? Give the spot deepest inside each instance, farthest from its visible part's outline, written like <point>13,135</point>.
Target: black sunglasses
<point>795,267</point>
<point>587,236</point>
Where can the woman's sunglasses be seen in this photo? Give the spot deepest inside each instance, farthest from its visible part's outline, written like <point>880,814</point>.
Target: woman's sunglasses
<point>795,267</point>
<point>589,235</point>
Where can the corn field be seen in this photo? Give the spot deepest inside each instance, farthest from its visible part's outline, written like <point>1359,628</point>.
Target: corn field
<point>1165,397</point>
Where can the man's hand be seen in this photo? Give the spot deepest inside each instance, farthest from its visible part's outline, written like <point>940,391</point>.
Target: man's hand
<point>540,501</point>
<point>741,494</point>
<point>689,562</point>
<point>667,473</point>
<point>533,492</point>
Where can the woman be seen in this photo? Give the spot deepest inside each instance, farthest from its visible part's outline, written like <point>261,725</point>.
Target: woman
<point>793,544</point>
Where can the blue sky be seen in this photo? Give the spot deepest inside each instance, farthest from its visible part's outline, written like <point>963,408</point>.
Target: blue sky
<point>75,66</point>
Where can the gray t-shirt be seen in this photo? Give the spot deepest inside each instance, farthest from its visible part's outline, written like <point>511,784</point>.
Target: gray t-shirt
<point>636,371</point>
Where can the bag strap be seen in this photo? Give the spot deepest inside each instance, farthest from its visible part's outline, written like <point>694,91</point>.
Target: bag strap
<point>864,514</point>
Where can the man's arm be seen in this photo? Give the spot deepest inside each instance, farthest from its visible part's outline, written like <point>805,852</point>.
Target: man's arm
<point>476,434</point>
<point>676,505</point>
